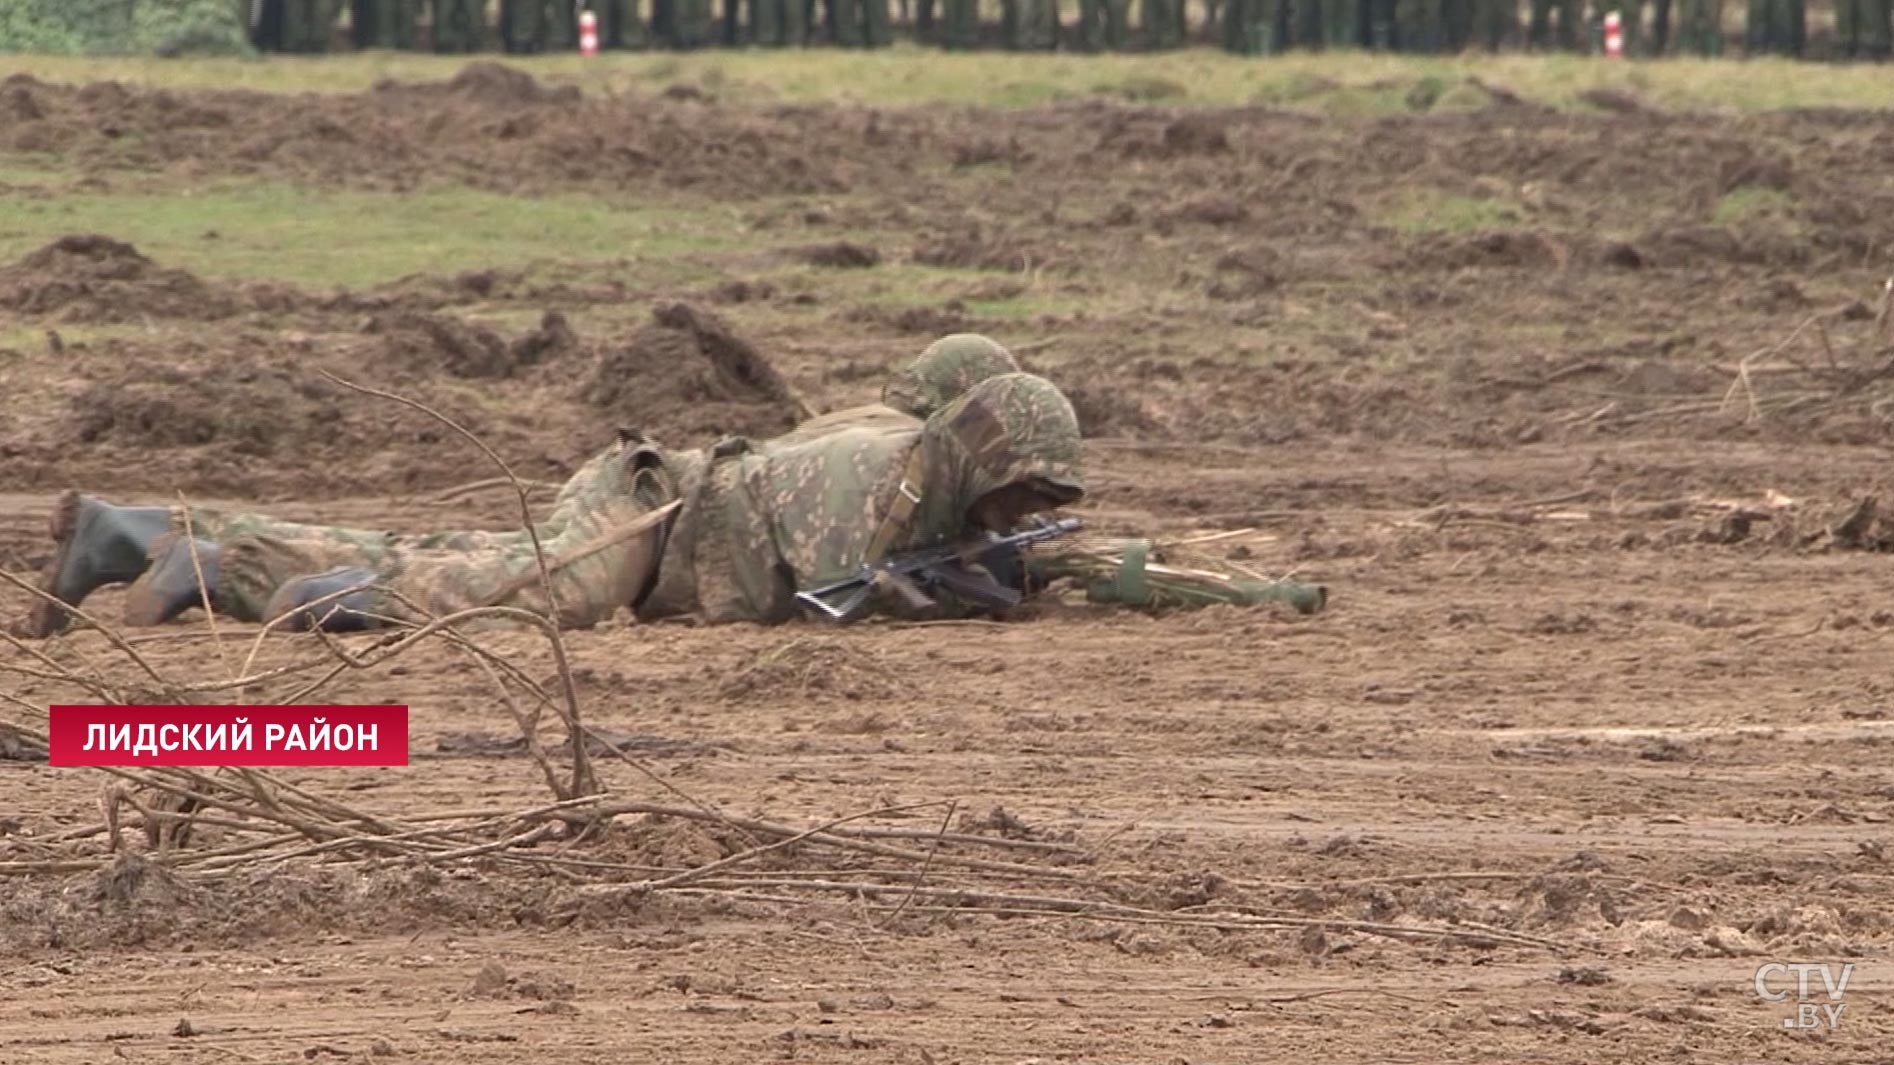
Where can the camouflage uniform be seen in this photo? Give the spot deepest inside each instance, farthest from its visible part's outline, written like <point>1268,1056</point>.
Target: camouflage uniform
<point>944,371</point>
<point>262,552</point>
<point>757,524</point>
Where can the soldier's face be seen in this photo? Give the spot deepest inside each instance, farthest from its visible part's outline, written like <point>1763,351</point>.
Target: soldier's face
<point>1001,509</point>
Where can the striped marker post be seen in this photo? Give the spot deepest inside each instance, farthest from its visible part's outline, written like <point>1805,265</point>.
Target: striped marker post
<point>588,33</point>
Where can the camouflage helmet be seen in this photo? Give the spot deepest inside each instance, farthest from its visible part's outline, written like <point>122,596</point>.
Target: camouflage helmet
<point>945,371</point>
<point>1006,430</point>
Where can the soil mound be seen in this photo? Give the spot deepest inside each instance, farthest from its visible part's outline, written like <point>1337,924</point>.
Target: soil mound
<point>687,376</point>
<point>1110,411</point>
<point>435,343</point>
<point>18,101</point>
<point>1697,246</point>
<point>234,414</point>
<point>1205,134</point>
<point>1247,274</point>
<point>489,126</point>
<point>491,84</point>
<point>1212,210</point>
<point>1138,134</point>
<point>245,404</point>
<point>431,342</point>
<point>92,278</point>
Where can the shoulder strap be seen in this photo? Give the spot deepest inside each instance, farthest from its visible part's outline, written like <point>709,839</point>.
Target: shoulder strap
<point>899,514</point>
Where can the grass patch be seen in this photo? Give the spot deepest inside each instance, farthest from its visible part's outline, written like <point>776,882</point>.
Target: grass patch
<point>892,284</point>
<point>1025,305</point>
<point>1751,203</point>
<point>1333,82</point>
<point>34,170</point>
<point>312,237</point>
<point>1417,212</point>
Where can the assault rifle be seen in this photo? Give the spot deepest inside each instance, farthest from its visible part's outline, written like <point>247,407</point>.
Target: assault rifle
<point>913,574</point>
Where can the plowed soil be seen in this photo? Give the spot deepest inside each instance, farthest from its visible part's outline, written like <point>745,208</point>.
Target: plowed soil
<point>1590,478</point>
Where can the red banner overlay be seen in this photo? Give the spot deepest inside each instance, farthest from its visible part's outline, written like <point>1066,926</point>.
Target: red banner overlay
<point>228,735</point>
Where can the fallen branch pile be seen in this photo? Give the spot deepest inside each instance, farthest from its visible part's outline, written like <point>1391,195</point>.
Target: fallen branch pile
<point>1838,361</point>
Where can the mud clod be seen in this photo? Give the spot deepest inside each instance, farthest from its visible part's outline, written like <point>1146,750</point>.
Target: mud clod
<point>434,342</point>
<point>687,375</point>
<point>841,254</point>
<point>492,85</point>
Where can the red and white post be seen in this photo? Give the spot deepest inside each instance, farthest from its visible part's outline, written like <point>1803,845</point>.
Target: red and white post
<point>1614,35</point>
<point>588,33</point>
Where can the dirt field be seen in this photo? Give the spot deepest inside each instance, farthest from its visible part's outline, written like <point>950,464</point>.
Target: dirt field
<point>1576,415</point>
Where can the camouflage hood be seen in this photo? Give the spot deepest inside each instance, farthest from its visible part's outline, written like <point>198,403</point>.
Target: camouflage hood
<point>1012,429</point>
<point>946,371</point>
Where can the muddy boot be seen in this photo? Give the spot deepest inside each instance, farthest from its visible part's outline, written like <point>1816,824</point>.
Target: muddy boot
<point>346,613</point>
<point>169,586</point>
<point>98,544</point>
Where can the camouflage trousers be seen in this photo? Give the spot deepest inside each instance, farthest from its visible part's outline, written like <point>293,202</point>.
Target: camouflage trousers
<point>262,553</point>
<point>599,561</point>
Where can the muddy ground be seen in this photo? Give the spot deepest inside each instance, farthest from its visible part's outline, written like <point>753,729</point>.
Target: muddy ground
<point>1588,479</point>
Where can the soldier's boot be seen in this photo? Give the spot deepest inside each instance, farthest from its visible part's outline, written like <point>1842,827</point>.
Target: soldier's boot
<point>313,602</point>
<point>98,544</point>
<point>170,586</point>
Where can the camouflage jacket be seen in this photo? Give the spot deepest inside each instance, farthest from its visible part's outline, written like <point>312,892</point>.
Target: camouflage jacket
<point>760,524</point>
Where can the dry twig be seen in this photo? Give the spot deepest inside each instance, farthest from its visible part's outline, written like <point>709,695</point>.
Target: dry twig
<point>584,780</point>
